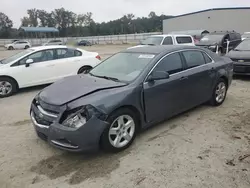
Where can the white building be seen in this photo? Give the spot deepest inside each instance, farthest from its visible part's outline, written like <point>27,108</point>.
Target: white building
<point>218,19</point>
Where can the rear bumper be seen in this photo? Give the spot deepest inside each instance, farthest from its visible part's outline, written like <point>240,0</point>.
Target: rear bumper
<point>84,139</point>
<point>242,68</point>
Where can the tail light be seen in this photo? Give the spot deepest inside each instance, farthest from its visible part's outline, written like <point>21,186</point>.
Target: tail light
<point>98,57</point>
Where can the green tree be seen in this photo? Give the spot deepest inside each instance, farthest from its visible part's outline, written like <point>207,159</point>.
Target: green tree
<point>33,17</point>
<point>5,25</point>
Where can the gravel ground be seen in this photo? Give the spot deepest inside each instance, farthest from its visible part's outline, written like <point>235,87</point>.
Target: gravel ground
<point>204,147</point>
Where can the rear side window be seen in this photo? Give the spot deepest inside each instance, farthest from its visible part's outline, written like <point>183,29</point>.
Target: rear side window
<point>183,40</point>
<point>168,41</point>
<point>67,53</point>
<point>171,64</point>
<point>207,58</point>
<point>193,58</point>
<point>78,53</point>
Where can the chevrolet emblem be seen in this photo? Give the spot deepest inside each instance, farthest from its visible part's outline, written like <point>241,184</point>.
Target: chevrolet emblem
<point>241,61</point>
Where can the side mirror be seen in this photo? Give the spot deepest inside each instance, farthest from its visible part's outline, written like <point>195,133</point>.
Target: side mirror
<point>158,75</point>
<point>28,62</point>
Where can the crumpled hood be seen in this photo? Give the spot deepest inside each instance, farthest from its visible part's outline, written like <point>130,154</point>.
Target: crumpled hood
<point>239,54</point>
<point>74,87</point>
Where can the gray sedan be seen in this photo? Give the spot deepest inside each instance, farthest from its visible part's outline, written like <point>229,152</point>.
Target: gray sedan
<point>129,91</point>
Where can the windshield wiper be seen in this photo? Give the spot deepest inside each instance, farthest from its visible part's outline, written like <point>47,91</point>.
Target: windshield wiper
<point>106,77</point>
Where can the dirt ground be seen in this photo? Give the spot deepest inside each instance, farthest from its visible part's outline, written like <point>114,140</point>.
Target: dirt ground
<point>205,147</point>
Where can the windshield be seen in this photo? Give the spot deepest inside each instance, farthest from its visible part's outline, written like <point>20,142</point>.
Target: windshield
<point>244,45</point>
<point>246,35</point>
<point>213,38</point>
<point>16,56</point>
<point>123,67</point>
<point>152,41</point>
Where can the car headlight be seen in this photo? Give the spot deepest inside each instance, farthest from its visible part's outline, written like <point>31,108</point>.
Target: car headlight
<point>76,121</point>
<point>78,117</point>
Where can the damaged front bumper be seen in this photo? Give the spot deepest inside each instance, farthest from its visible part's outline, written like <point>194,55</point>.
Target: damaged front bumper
<point>83,139</point>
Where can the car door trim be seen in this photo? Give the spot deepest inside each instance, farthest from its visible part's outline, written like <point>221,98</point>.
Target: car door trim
<point>178,51</point>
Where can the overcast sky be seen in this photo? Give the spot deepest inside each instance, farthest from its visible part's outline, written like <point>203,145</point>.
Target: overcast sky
<point>105,10</point>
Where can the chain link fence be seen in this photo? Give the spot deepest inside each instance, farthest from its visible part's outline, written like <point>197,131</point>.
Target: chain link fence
<point>107,39</point>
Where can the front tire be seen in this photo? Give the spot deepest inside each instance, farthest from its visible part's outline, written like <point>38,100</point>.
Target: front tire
<point>121,132</point>
<point>7,87</point>
<point>219,93</point>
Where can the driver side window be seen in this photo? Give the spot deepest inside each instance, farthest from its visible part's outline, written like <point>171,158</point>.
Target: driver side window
<point>171,64</point>
<point>41,56</point>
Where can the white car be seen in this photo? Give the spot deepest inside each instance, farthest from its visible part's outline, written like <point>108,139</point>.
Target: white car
<point>18,45</point>
<point>43,65</point>
<point>53,42</point>
<point>167,40</point>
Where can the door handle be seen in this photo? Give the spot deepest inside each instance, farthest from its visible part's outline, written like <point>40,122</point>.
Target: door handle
<point>212,70</point>
<point>184,78</point>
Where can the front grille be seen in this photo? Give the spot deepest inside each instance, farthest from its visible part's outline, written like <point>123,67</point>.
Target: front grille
<point>43,113</point>
<point>241,69</point>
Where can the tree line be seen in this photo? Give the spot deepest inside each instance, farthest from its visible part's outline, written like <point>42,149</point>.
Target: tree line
<point>70,24</point>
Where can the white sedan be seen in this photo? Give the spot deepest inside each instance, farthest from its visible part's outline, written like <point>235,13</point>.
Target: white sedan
<point>43,65</point>
<point>15,45</point>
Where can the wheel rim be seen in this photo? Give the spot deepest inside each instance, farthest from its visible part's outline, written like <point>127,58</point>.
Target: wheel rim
<point>5,88</point>
<point>121,131</point>
<point>220,92</point>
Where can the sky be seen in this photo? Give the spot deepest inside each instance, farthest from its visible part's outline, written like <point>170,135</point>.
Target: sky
<point>106,10</point>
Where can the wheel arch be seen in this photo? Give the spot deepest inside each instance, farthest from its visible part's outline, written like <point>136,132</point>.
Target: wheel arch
<point>224,78</point>
<point>133,109</point>
<point>5,76</point>
<point>85,66</point>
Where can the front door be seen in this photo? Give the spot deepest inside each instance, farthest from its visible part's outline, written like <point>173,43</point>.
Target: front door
<point>41,71</point>
<point>164,98</point>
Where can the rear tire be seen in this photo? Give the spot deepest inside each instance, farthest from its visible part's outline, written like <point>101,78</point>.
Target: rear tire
<point>84,70</point>
<point>219,93</point>
<point>26,47</point>
<point>7,87</point>
<point>121,132</point>
<point>11,48</point>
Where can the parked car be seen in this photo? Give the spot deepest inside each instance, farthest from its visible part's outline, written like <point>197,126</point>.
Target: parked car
<point>17,44</point>
<point>167,40</point>
<point>127,92</point>
<point>53,42</point>
<point>241,58</point>
<point>246,35</point>
<point>196,34</point>
<point>220,38</point>
<point>43,65</point>
<point>84,43</point>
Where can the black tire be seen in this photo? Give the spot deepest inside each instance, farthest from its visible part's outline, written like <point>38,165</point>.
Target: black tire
<point>105,141</point>
<point>13,84</point>
<point>26,47</point>
<point>11,48</point>
<point>213,101</point>
<point>84,70</point>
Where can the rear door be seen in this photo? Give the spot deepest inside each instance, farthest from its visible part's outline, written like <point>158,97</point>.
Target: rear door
<point>164,98</point>
<point>200,76</point>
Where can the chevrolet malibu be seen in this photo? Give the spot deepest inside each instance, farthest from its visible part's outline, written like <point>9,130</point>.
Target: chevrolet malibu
<point>129,91</point>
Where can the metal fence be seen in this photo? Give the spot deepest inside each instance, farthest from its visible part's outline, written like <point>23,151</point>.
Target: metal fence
<point>107,39</point>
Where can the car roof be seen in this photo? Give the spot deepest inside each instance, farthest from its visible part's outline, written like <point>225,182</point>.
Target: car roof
<point>159,49</point>
<point>48,47</point>
<point>174,35</point>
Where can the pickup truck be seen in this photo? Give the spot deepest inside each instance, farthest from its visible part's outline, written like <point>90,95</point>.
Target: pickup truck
<point>167,40</point>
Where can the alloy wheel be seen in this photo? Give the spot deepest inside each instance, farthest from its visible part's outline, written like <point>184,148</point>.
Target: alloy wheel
<point>5,88</point>
<point>220,92</point>
<point>121,131</point>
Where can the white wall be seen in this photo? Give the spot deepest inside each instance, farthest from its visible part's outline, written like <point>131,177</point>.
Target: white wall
<point>213,20</point>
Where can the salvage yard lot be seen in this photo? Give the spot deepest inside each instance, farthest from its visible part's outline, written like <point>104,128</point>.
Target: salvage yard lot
<point>204,147</point>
